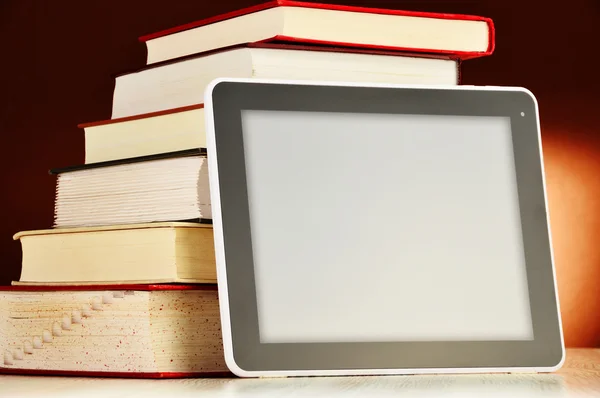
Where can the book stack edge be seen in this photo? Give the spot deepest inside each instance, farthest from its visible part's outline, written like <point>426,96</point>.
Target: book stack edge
<point>124,282</point>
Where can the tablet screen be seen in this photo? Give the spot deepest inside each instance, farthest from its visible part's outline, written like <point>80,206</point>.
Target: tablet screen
<point>420,211</point>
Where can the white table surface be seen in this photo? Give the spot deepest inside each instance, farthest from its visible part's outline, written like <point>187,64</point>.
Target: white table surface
<point>580,377</point>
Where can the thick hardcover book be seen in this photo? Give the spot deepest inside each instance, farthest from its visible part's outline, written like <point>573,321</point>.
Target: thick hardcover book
<point>158,252</point>
<point>462,36</point>
<point>152,188</point>
<point>139,331</point>
<point>145,136</point>
<point>181,81</point>
<point>277,45</point>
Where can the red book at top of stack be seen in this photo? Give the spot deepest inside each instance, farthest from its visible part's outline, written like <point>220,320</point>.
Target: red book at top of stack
<point>300,41</point>
<point>459,36</point>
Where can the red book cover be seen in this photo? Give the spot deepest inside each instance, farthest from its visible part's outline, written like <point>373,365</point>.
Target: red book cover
<point>122,375</point>
<point>102,288</point>
<point>140,116</point>
<point>463,55</point>
<point>134,287</point>
<point>129,375</point>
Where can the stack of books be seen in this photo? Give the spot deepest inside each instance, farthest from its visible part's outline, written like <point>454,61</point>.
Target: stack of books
<point>124,282</point>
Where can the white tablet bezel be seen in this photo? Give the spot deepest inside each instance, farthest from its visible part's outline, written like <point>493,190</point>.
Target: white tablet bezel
<point>221,252</point>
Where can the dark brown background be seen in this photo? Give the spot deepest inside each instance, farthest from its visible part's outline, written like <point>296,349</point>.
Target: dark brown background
<point>58,60</point>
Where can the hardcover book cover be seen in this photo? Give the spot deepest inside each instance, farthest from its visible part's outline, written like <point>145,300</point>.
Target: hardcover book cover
<point>109,316</point>
<point>463,55</point>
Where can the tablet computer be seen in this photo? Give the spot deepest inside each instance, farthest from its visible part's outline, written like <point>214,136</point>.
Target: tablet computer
<point>380,229</point>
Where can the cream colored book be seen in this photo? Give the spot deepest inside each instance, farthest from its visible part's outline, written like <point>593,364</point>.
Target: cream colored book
<point>119,254</point>
<point>133,330</point>
<point>143,135</point>
<point>182,82</point>
<point>166,187</point>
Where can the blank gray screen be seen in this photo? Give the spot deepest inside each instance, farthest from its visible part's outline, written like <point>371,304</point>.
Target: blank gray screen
<point>384,227</point>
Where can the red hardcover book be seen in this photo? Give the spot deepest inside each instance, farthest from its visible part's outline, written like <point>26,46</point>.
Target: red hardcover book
<point>457,35</point>
<point>137,331</point>
<point>143,135</point>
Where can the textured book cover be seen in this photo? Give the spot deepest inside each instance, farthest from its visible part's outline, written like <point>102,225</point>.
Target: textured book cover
<point>103,330</point>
